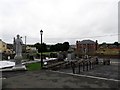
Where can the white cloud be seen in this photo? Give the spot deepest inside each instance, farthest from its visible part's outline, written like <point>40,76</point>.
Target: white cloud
<point>59,19</point>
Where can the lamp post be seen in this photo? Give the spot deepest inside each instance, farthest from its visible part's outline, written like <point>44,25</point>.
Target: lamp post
<point>41,33</point>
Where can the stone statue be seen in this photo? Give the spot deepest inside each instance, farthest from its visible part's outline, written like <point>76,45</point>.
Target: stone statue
<point>18,49</point>
<point>18,54</point>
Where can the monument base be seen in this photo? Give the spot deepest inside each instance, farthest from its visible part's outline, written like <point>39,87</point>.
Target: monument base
<point>17,59</point>
<point>19,67</point>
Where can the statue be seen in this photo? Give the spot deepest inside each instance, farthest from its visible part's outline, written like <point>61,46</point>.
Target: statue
<point>18,54</point>
<point>18,49</point>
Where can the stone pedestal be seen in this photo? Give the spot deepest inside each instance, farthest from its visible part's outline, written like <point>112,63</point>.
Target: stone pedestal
<point>18,59</point>
<point>19,67</point>
<point>18,64</point>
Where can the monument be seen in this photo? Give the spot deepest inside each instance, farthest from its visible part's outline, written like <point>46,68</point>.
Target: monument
<point>18,54</point>
<point>71,56</point>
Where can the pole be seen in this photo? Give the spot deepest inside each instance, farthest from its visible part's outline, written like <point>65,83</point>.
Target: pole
<point>25,40</point>
<point>41,53</point>
<point>25,45</point>
<point>14,44</point>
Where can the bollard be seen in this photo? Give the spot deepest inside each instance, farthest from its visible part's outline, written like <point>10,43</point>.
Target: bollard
<point>83,65</point>
<point>104,61</point>
<point>86,65</point>
<point>97,61</point>
<point>90,67</point>
<point>79,67</point>
<point>73,67</point>
<point>92,64</point>
<point>108,62</point>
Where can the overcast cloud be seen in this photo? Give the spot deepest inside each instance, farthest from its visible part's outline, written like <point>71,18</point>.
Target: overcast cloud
<point>60,20</point>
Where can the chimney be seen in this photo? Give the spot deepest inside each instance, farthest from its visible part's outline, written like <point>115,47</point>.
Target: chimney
<point>96,45</point>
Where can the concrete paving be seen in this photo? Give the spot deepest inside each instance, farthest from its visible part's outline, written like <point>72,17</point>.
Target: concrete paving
<point>52,79</point>
<point>102,76</point>
<point>105,71</point>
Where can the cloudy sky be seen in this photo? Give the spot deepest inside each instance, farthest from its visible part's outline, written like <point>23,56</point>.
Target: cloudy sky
<point>60,20</point>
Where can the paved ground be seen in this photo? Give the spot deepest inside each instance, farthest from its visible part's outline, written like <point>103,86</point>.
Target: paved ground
<point>105,71</point>
<point>49,79</point>
<point>99,77</point>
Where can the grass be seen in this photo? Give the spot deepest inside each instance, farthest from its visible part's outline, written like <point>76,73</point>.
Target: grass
<point>48,53</point>
<point>33,66</point>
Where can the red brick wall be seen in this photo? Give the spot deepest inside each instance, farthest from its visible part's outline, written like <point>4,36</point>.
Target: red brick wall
<point>91,47</point>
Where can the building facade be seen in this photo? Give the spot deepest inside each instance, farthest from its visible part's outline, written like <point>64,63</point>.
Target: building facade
<point>31,49</point>
<point>3,46</point>
<point>86,46</point>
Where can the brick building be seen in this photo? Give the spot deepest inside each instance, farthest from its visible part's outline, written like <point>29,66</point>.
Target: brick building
<point>86,46</point>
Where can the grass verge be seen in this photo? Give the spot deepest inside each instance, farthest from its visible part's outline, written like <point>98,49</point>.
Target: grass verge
<point>33,66</point>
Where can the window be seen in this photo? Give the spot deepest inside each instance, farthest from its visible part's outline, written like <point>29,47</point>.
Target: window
<point>3,45</point>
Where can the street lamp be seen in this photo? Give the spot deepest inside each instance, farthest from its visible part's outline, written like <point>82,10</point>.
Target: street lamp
<point>41,33</point>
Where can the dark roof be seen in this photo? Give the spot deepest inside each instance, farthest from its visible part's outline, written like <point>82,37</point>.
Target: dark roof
<point>87,42</point>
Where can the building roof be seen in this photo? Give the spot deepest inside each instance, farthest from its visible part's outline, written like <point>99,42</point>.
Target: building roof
<point>2,41</point>
<point>87,42</point>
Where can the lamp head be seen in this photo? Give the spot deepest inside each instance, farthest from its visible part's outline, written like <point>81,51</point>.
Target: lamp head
<point>41,31</point>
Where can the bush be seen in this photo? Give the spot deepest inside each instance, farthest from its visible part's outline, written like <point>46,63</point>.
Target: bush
<point>37,56</point>
<point>53,55</point>
<point>31,57</point>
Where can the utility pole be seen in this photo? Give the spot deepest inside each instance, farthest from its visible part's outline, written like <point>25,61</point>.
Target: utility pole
<point>25,45</point>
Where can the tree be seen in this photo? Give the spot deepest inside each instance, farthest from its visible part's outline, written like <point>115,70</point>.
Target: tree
<point>104,45</point>
<point>65,46</point>
<point>60,47</point>
<point>116,43</point>
<point>52,48</point>
<point>40,47</point>
<point>43,47</point>
<point>37,45</point>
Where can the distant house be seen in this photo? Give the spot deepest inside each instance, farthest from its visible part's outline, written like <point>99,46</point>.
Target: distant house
<point>109,49</point>
<point>31,49</point>
<point>109,46</point>
<point>3,46</point>
<point>10,48</point>
<point>86,46</point>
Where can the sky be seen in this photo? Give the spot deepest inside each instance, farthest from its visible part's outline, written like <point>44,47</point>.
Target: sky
<point>60,20</point>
